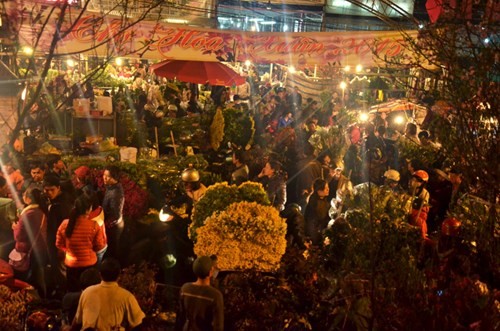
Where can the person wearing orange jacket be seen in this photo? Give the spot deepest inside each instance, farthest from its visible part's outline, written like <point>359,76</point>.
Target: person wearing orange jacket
<point>420,205</point>
<point>80,238</point>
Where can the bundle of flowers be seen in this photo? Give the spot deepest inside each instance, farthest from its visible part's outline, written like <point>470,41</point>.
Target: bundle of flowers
<point>217,129</point>
<point>140,280</point>
<point>13,307</point>
<point>245,236</point>
<point>220,195</point>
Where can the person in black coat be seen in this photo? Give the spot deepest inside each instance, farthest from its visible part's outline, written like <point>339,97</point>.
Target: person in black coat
<point>316,214</point>
<point>295,226</point>
<point>57,207</point>
<point>274,182</point>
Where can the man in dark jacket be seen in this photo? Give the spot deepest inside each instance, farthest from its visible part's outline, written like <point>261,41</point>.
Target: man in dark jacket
<point>58,208</point>
<point>112,205</point>
<point>316,214</point>
<point>201,305</point>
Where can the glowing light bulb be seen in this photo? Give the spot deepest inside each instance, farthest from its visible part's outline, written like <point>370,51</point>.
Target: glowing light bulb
<point>363,117</point>
<point>399,120</point>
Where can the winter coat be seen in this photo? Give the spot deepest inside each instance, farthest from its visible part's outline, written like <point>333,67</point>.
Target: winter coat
<point>87,239</point>
<point>276,190</point>
<point>31,220</point>
<point>112,204</point>
<point>316,217</point>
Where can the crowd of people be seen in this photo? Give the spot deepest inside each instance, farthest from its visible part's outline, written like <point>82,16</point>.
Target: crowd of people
<point>71,235</point>
<point>68,228</point>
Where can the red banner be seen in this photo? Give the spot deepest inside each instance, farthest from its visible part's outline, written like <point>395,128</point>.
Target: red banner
<point>97,35</point>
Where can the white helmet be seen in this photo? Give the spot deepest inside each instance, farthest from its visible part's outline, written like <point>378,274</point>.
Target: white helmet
<point>392,175</point>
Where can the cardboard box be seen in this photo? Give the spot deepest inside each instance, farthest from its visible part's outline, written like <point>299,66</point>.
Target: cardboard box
<point>104,104</point>
<point>81,107</point>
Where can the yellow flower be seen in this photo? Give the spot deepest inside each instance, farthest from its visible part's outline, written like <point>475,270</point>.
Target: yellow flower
<point>246,235</point>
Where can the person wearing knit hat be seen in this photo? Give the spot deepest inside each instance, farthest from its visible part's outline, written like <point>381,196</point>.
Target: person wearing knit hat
<point>82,180</point>
<point>201,305</point>
<point>82,172</point>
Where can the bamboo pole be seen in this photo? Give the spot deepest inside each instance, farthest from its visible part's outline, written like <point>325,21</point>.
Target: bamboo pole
<point>157,143</point>
<point>173,142</point>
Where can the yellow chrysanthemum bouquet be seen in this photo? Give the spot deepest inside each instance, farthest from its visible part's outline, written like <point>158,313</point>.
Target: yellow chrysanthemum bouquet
<point>246,235</point>
<point>219,196</point>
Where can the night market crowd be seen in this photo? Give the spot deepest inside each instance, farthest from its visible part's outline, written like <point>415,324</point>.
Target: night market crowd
<point>72,233</point>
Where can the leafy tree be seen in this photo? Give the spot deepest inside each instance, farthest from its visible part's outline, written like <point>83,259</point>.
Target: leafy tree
<point>42,29</point>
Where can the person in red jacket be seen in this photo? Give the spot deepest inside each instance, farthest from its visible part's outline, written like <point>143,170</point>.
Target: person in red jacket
<point>80,238</point>
<point>420,206</point>
<point>30,234</point>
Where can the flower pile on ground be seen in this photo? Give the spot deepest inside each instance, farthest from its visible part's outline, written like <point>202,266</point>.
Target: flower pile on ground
<point>246,235</point>
<point>220,195</point>
<point>140,280</point>
<point>13,307</point>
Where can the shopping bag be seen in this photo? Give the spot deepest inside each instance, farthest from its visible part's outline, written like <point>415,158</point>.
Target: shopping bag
<point>19,261</point>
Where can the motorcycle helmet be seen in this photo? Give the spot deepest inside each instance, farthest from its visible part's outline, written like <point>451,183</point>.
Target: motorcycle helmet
<point>290,210</point>
<point>421,175</point>
<point>450,227</point>
<point>190,175</point>
<point>392,174</point>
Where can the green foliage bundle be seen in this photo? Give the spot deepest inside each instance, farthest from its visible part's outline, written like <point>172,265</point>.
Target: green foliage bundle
<point>131,132</point>
<point>105,79</point>
<point>187,131</point>
<point>409,150</point>
<point>219,196</point>
<point>239,127</point>
<point>329,139</point>
<point>385,202</point>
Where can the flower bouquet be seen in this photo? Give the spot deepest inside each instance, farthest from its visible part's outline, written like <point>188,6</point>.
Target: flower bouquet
<point>245,236</point>
<point>219,196</point>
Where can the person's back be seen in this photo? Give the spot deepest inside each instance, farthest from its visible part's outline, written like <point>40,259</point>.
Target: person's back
<point>107,306</point>
<point>201,305</point>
